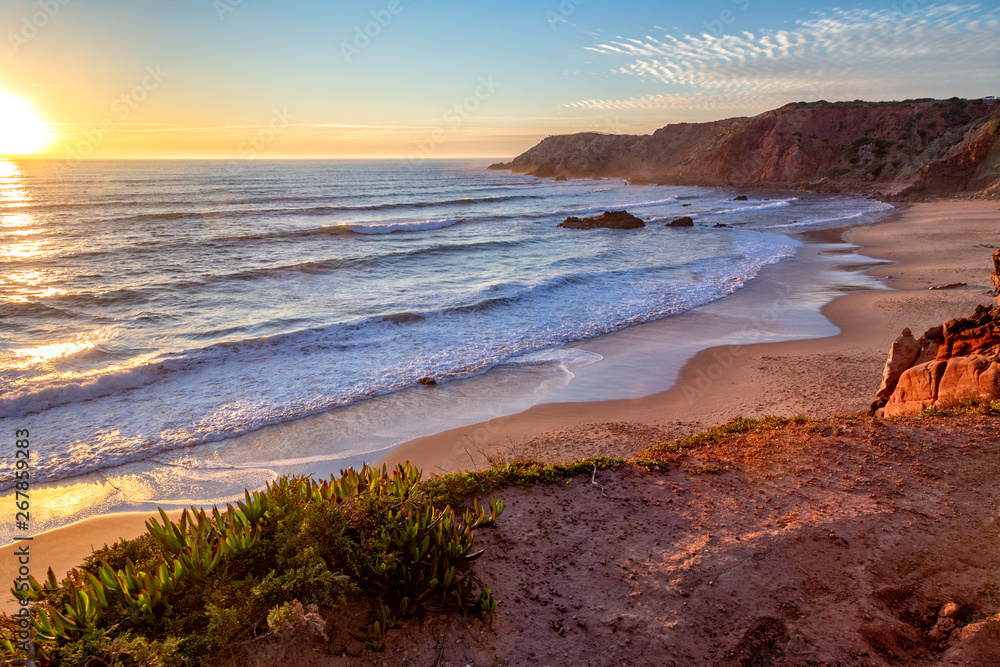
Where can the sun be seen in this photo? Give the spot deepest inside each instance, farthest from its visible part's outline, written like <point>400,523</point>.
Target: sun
<point>22,129</point>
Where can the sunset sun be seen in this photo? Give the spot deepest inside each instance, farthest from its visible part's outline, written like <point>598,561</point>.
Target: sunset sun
<point>22,129</point>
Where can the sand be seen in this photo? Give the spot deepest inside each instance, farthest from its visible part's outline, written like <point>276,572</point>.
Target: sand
<point>935,243</point>
<point>930,244</point>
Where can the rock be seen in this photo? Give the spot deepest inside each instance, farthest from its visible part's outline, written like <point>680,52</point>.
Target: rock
<point>945,384</point>
<point>740,198</point>
<point>949,286</point>
<point>681,222</point>
<point>902,355</point>
<point>720,224</point>
<point>501,165</point>
<point>974,644</point>
<point>608,219</point>
<point>560,178</point>
<point>978,334</point>
<point>949,610</point>
<point>996,274</point>
<point>683,205</point>
<point>427,380</point>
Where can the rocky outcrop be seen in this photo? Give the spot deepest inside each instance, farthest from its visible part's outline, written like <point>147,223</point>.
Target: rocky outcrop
<point>502,166</point>
<point>996,274</point>
<point>681,222</point>
<point>608,220</point>
<point>947,366</point>
<point>905,150</point>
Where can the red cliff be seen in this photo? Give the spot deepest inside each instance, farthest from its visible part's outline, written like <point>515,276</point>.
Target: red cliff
<point>911,149</point>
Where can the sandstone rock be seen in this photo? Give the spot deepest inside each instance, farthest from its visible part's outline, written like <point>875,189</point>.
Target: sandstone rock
<point>681,222</point>
<point>944,384</point>
<point>608,219</point>
<point>902,355</point>
<point>978,334</point>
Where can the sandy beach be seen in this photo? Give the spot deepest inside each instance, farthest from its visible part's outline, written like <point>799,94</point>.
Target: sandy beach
<point>929,244</point>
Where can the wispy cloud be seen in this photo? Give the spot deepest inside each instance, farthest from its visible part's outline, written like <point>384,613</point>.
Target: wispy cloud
<point>876,54</point>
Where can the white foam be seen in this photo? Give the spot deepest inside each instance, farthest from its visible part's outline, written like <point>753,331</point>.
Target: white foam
<point>400,226</point>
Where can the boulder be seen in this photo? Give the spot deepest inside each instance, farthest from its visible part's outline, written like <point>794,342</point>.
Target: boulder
<point>608,219</point>
<point>681,222</point>
<point>902,355</point>
<point>977,334</point>
<point>427,381</point>
<point>996,274</point>
<point>945,384</point>
<point>740,198</point>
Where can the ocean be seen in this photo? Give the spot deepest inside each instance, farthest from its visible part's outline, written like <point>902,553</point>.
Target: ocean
<point>149,306</point>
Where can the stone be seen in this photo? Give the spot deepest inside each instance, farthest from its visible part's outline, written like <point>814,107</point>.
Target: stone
<point>427,380</point>
<point>949,286</point>
<point>945,384</point>
<point>560,178</point>
<point>608,219</point>
<point>902,355</point>
<point>681,222</point>
<point>740,198</point>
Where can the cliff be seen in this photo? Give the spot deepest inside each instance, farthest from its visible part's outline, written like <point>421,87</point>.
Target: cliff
<point>903,149</point>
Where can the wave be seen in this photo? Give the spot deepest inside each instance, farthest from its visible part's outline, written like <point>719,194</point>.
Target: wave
<point>402,226</point>
<point>757,207</point>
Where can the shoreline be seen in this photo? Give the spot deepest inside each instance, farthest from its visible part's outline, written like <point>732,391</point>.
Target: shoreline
<point>868,323</point>
<point>824,376</point>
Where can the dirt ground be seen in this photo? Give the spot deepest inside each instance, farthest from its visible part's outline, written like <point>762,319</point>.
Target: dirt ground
<point>836,544</point>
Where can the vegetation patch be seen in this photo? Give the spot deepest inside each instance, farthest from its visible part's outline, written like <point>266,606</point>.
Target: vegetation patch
<point>220,580</point>
<point>659,456</point>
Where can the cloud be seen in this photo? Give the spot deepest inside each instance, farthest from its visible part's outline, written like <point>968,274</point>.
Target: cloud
<point>841,54</point>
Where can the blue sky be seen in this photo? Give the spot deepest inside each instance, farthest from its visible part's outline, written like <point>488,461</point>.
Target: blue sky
<point>298,75</point>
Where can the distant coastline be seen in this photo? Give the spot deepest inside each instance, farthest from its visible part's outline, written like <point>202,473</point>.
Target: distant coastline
<point>907,150</point>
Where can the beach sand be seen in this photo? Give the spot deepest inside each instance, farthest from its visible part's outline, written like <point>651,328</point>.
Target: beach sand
<point>930,244</point>
<point>933,243</point>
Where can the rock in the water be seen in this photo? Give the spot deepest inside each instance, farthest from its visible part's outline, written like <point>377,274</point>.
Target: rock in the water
<point>902,355</point>
<point>427,380</point>
<point>720,224</point>
<point>740,198</point>
<point>560,178</point>
<point>608,219</point>
<point>500,165</point>
<point>681,222</point>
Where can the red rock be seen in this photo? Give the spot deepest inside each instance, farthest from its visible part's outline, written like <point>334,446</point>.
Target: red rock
<point>945,384</point>
<point>902,355</point>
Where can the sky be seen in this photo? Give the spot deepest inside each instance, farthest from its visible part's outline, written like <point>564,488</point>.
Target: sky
<point>414,78</point>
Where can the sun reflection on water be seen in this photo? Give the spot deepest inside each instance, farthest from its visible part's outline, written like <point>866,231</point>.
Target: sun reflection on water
<point>21,238</point>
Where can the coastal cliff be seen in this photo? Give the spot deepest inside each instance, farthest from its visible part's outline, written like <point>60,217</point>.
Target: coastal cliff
<point>902,150</point>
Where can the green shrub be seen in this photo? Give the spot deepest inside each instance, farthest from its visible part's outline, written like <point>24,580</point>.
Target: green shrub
<point>188,589</point>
